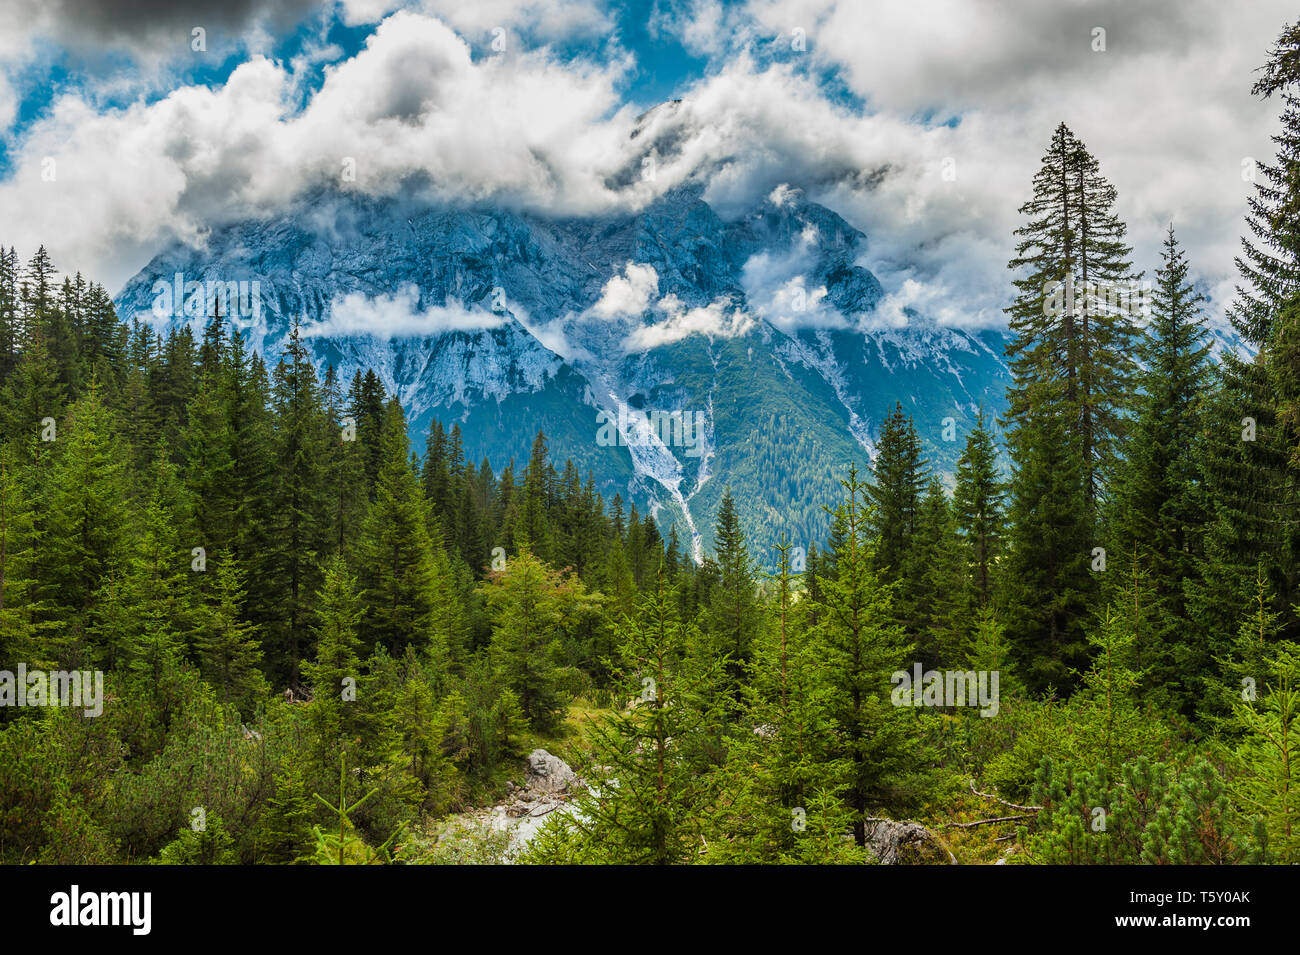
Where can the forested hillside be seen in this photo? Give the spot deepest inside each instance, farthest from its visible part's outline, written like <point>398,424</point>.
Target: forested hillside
<point>318,647</point>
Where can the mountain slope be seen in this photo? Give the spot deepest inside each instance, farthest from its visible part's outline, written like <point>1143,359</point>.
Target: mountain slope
<point>743,352</point>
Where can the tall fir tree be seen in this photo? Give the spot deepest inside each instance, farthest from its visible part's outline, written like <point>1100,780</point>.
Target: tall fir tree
<point>1159,509</point>
<point>1071,320</point>
<point>978,507</point>
<point>404,575</point>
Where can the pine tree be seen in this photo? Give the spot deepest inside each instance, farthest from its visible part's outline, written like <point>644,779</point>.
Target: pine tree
<point>404,576</point>
<point>229,650</point>
<point>650,809</point>
<point>1159,515</point>
<point>1242,667</point>
<point>732,616</point>
<point>977,504</point>
<point>284,830</point>
<point>1267,759</point>
<point>990,653</point>
<point>878,742</point>
<point>1070,321</point>
<point>300,535</point>
<point>1115,727</point>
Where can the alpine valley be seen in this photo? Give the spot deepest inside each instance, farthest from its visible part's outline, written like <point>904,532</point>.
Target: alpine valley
<point>762,327</point>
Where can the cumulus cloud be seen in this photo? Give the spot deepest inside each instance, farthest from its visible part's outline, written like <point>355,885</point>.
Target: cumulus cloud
<point>718,319</point>
<point>153,33</point>
<point>544,21</point>
<point>628,294</point>
<point>398,316</point>
<point>412,107</point>
<point>777,284</point>
<point>927,138</point>
<point>631,315</point>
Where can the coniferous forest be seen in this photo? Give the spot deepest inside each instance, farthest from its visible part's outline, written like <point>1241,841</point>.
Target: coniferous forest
<point>321,647</point>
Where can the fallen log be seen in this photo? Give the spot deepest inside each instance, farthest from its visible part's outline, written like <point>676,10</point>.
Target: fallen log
<point>1009,805</point>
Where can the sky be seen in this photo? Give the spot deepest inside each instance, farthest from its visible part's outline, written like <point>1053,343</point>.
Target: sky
<point>126,125</point>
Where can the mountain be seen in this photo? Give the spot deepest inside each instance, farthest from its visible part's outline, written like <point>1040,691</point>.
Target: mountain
<point>667,350</point>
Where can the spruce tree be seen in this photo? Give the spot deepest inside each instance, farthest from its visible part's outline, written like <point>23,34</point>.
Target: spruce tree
<point>1266,760</point>
<point>1071,320</point>
<point>732,615</point>
<point>977,504</point>
<point>86,534</point>
<point>524,603</point>
<point>1048,582</point>
<point>650,805</point>
<point>405,578</point>
<point>934,582</point>
<point>18,633</point>
<point>782,789</point>
<point>1160,517</point>
<point>300,531</point>
<point>1250,477</point>
<point>878,743</point>
<point>229,650</point>
<point>900,478</point>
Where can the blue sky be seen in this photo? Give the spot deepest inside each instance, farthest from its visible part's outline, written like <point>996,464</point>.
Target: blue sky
<point>862,105</point>
<point>663,65</point>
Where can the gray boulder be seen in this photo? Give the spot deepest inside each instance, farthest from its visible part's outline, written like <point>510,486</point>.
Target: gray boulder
<point>549,774</point>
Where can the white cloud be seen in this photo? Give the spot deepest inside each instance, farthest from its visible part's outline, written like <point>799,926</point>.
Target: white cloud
<point>627,295</point>
<point>412,107</point>
<point>398,316</point>
<point>1166,109</point>
<point>782,195</point>
<point>631,316</point>
<point>932,301</point>
<point>717,319</point>
<point>544,21</point>
<point>778,288</point>
<point>8,103</point>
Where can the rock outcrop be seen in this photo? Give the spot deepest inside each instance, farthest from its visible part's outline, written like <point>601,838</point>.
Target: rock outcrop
<point>549,774</point>
<point>549,784</point>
